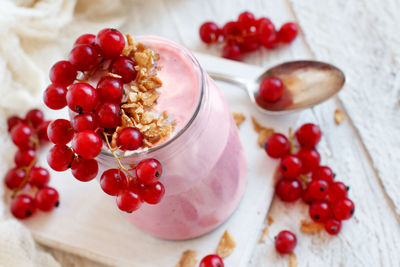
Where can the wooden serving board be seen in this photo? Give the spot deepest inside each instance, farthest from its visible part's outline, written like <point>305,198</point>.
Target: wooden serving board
<point>89,224</point>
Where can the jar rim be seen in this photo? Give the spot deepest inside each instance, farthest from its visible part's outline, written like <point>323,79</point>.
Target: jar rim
<point>188,54</point>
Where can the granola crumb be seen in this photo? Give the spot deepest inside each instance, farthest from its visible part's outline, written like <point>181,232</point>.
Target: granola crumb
<point>270,220</point>
<point>239,118</point>
<point>263,132</point>
<point>339,116</point>
<point>293,260</point>
<point>311,227</point>
<point>188,259</point>
<point>264,235</point>
<point>226,245</point>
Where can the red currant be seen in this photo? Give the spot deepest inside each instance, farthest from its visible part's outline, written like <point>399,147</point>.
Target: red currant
<point>60,132</point>
<point>129,138</point>
<point>265,30</point>
<point>285,242</point>
<point>250,43</point>
<point>55,96</point>
<point>209,32</point>
<point>272,42</point>
<point>42,131</point>
<point>124,67</point>
<point>108,115</point>
<point>343,209</point>
<point>82,97</point>
<point>246,19</point>
<point>110,89</point>
<point>84,170</point>
<point>87,38</point>
<point>290,166</point>
<point>288,190</point>
<point>232,29</point>
<point>22,136</point>
<point>62,73</point>
<point>110,43</point>
<point>232,51</point>
<point>84,57</point>
<point>323,173</point>
<point>318,189</point>
<point>337,191</point>
<point>23,206</point>
<point>308,135</point>
<point>153,193</point>
<point>113,181</point>
<point>148,171</point>
<point>271,89</point>
<point>59,157</point>
<point>39,176</point>
<point>14,178</point>
<point>35,117</point>
<point>13,121</point>
<point>277,146</point>
<point>129,200</point>
<point>24,158</point>
<point>212,260</point>
<point>320,211</point>
<point>87,144</point>
<point>288,32</point>
<point>47,198</point>
<point>333,226</point>
<point>310,159</point>
<point>84,121</point>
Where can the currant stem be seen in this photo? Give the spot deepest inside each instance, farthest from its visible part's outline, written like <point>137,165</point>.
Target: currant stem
<point>291,141</point>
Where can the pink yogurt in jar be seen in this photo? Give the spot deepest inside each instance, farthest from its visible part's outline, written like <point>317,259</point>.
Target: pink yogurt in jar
<point>204,163</point>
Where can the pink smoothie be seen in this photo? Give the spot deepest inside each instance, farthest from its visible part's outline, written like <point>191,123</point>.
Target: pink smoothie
<point>204,164</point>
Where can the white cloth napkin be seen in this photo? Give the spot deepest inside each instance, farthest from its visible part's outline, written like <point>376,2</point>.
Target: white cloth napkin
<point>34,35</point>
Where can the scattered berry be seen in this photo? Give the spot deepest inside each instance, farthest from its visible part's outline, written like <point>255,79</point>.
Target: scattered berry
<point>271,89</point>
<point>212,260</point>
<point>209,32</point>
<point>285,242</point>
<point>288,32</point>
<point>277,146</point>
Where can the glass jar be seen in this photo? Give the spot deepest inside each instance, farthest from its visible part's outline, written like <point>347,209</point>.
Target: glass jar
<point>204,163</point>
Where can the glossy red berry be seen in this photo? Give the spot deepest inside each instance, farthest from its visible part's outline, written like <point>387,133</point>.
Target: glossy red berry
<point>42,131</point>
<point>318,189</point>
<point>110,89</point>
<point>323,173</point>
<point>277,146</point>
<point>14,178</point>
<point>34,117</point>
<point>288,190</point>
<point>82,97</point>
<point>84,170</point>
<point>209,32</point>
<point>22,135</point>
<point>60,132</point>
<point>271,89</point>
<point>246,19</point>
<point>288,32</point>
<point>285,242</point>
<point>59,157</point>
<point>129,138</point>
<point>124,67</point>
<point>87,144</point>
<point>272,42</point>
<point>113,181</point>
<point>108,115</point>
<point>232,29</point>
<point>39,176</point>
<point>87,38</point>
<point>13,121</point>
<point>110,43</point>
<point>265,30</point>
<point>212,260</point>
<point>83,122</point>
<point>55,96</point>
<point>24,158</point>
<point>308,135</point>
<point>232,51</point>
<point>320,211</point>
<point>290,166</point>
<point>84,57</point>
<point>310,159</point>
<point>250,43</point>
<point>343,209</point>
<point>23,206</point>
<point>148,171</point>
<point>47,198</point>
<point>63,73</point>
<point>337,191</point>
<point>129,200</point>
<point>153,193</point>
<point>333,226</point>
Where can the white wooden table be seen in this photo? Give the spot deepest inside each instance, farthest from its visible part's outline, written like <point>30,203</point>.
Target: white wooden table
<point>362,38</point>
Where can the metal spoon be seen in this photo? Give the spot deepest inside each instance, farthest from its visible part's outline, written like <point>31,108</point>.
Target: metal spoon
<point>307,83</point>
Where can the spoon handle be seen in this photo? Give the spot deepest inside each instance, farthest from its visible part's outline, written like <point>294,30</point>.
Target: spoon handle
<point>229,79</point>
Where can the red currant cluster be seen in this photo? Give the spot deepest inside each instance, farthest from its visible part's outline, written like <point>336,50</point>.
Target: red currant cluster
<point>212,260</point>
<point>247,34</point>
<point>97,114</point>
<point>26,177</point>
<point>301,176</point>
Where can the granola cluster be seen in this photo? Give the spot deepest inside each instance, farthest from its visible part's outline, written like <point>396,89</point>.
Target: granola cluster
<point>138,105</point>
